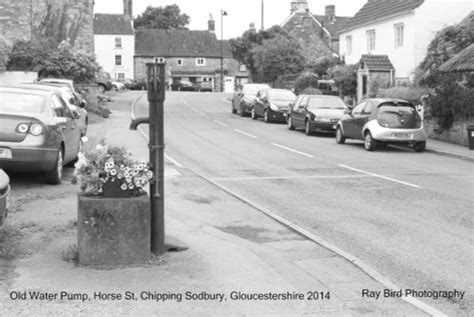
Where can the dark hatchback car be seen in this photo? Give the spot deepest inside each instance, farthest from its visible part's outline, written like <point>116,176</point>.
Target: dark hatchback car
<point>39,133</point>
<point>381,122</point>
<point>244,98</point>
<point>272,104</point>
<point>316,113</point>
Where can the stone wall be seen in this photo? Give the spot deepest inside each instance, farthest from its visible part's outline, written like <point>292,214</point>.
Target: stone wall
<point>25,20</point>
<point>457,134</point>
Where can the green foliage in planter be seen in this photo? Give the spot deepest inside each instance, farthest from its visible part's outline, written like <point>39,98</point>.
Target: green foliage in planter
<point>411,94</point>
<point>305,81</point>
<point>49,60</point>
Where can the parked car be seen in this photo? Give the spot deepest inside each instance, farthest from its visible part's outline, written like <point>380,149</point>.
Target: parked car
<point>39,133</point>
<point>74,104</point>
<point>183,85</point>
<point>127,82</point>
<point>272,104</point>
<point>204,86</point>
<point>316,113</point>
<point>244,98</point>
<point>116,85</point>
<point>103,81</point>
<point>61,82</point>
<point>383,121</point>
<point>328,87</point>
<point>4,194</point>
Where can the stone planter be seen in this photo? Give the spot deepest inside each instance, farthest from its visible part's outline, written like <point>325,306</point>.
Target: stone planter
<point>113,231</point>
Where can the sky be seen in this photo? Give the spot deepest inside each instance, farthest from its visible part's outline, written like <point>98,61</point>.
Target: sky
<point>240,12</point>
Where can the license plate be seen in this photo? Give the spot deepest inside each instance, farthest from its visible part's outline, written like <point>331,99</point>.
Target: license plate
<point>334,127</point>
<point>5,153</point>
<point>402,135</point>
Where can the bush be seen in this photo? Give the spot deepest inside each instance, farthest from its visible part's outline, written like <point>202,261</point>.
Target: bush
<point>304,81</point>
<point>410,94</point>
<point>138,85</point>
<point>345,77</point>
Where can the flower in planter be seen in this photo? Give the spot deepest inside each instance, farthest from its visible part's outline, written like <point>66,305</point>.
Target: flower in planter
<point>111,167</point>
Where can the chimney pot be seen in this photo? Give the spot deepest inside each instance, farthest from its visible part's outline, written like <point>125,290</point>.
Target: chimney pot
<point>331,12</point>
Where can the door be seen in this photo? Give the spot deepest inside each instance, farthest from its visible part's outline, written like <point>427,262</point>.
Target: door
<point>298,112</point>
<point>350,125</point>
<point>68,128</point>
<point>229,84</point>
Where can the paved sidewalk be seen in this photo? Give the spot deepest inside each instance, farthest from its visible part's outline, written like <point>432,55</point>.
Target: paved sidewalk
<point>449,149</point>
<point>233,249</point>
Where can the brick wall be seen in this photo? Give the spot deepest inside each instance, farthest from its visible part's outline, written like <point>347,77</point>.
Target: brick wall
<point>21,19</point>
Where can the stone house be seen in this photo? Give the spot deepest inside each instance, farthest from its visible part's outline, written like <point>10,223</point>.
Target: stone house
<point>189,55</point>
<point>114,42</point>
<point>317,34</point>
<point>399,30</point>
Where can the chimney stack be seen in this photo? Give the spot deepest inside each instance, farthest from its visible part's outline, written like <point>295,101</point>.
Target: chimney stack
<point>211,24</point>
<point>299,5</point>
<point>331,12</point>
<point>128,9</point>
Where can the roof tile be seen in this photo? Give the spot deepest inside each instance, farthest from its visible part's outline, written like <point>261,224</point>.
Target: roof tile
<point>115,24</point>
<point>376,62</point>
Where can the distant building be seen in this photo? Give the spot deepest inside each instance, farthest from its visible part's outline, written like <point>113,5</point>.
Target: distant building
<point>114,42</point>
<point>189,55</point>
<point>317,34</point>
<point>397,32</point>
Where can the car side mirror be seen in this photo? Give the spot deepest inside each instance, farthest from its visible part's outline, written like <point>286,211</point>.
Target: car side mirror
<point>76,115</point>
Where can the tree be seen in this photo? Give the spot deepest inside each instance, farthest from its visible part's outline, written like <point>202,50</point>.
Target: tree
<point>322,66</point>
<point>243,47</point>
<point>162,18</point>
<point>277,56</point>
<point>305,81</point>
<point>345,77</point>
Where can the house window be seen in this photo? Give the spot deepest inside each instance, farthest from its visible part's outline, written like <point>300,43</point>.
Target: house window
<point>159,60</point>
<point>200,62</point>
<point>118,60</point>
<point>399,28</point>
<point>242,68</point>
<point>370,40</point>
<point>179,62</point>
<point>118,42</point>
<point>349,44</point>
<point>120,75</point>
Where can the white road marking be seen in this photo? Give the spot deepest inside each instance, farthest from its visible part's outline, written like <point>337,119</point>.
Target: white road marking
<point>292,150</point>
<point>246,134</point>
<point>173,161</point>
<point>249,178</point>
<point>379,176</point>
<point>202,114</point>
<point>221,123</point>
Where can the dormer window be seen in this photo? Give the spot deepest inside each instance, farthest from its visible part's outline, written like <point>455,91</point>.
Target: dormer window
<point>200,61</point>
<point>118,42</point>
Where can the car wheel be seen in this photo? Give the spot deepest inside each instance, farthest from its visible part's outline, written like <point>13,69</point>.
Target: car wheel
<point>307,128</point>
<point>369,143</point>
<point>340,138</point>
<point>241,112</point>
<point>55,175</point>
<point>419,146</point>
<point>289,123</point>
<point>266,118</point>
<point>253,114</point>
<point>101,88</point>
<point>233,109</point>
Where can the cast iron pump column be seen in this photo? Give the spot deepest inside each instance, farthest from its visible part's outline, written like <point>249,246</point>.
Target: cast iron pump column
<point>156,97</point>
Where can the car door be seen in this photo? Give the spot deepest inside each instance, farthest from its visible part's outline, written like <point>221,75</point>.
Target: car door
<point>349,125</point>
<point>298,114</point>
<point>258,105</point>
<point>237,98</point>
<point>69,128</point>
<point>363,118</point>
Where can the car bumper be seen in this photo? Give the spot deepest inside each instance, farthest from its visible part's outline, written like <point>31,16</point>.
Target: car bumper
<point>398,135</point>
<point>278,116</point>
<point>322,126</point>
<point>28,159</point>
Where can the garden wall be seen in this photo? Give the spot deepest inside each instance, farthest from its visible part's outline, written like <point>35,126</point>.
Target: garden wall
<point>16,78</point>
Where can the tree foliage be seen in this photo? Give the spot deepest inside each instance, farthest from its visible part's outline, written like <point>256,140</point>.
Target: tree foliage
<point>163,18</point>
<point>277,56</point>
<point>305,81</point>
<point>52,61</point>
<point>243,48</point>
<point>322,66</point>
<point>345,77</point>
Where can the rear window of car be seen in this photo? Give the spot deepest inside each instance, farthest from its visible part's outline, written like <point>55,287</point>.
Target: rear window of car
<point>326,103</point>
<point>392,112</point>
<point>253,89</point>
<point>20,102</point>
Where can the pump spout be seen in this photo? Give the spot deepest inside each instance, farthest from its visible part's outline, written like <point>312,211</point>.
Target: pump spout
<point>135,123</point>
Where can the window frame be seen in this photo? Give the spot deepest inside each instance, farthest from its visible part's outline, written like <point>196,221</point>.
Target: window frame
<point>399,34</point>
<point>371,37</point>
<point>200,61</point>
<point>118,58</point>
<point>119,42</point>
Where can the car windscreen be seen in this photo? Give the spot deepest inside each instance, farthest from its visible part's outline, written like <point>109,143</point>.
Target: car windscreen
<point>11,102</point>
<point>326,103</point>
<point>281,95</point>
<point>252,89</point>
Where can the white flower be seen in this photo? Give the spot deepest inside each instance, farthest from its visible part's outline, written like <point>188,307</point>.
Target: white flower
<point>113,172</point>
<point>119,175</point>
<point>149,174</point>
<point>123,187</point>
<point>130,186</point>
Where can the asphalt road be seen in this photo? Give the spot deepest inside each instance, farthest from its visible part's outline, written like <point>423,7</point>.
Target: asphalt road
<point>407,214</point>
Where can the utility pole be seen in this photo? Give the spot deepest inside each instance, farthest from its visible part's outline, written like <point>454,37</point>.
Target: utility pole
<point>223,13</point>
<point>263,10</point>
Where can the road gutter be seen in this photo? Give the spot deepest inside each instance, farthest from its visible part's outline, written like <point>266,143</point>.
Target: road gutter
<point>371,272</point>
